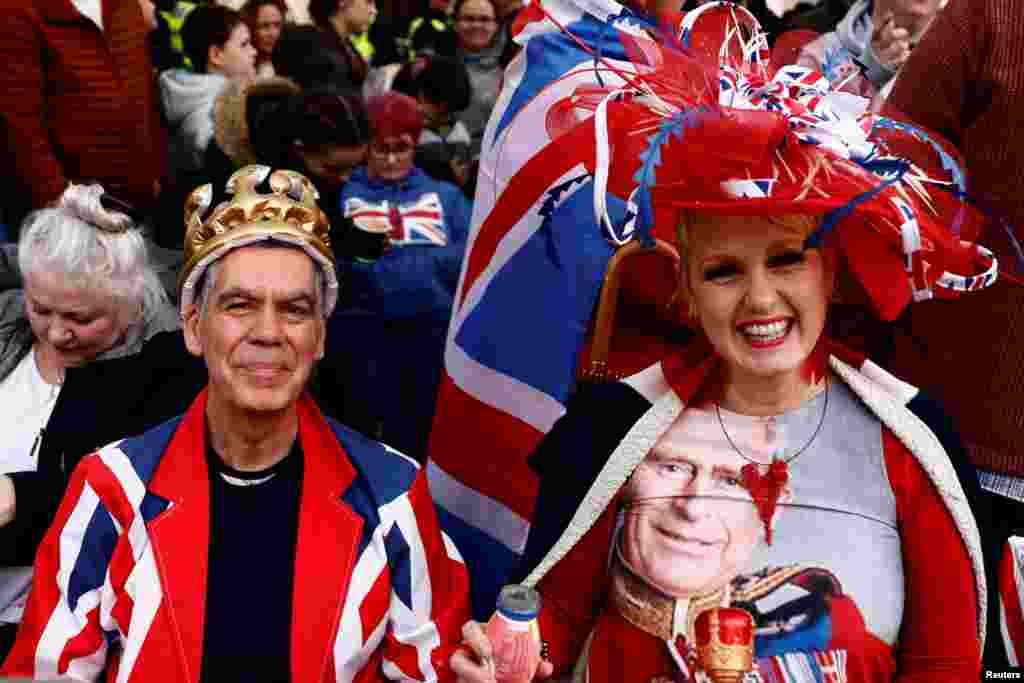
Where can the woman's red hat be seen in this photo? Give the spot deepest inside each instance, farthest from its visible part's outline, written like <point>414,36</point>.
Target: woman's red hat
<point>714,127</point>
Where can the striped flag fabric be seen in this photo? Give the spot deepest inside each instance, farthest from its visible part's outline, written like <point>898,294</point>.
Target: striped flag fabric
<point>1011,599</point>
<point>827,666</point>
<point>534,263</point>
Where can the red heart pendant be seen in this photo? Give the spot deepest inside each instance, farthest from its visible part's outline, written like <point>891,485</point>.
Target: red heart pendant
<point>765,489</point>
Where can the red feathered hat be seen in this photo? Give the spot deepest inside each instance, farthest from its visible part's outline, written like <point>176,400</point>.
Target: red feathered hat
<point>716,129</point>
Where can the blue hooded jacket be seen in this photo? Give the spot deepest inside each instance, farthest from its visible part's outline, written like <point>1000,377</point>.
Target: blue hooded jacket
<point>386,338</point>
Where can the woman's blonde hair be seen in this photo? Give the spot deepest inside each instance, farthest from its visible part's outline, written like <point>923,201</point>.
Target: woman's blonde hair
<point>797,223</point>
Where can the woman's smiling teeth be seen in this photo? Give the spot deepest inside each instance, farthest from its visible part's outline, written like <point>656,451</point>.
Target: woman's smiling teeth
<point>766,332</point>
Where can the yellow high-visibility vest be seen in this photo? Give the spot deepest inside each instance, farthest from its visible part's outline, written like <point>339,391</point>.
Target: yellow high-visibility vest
<point>175,19</point>
<point>363,46</point>
<point>435,23</point>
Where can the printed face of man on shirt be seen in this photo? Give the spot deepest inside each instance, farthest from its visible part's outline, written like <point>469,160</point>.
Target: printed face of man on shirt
<point>690,526</point>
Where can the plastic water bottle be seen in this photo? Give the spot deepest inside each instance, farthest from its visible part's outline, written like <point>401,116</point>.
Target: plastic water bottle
<point>514,634</point>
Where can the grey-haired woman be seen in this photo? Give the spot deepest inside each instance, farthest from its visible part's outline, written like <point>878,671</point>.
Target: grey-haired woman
<point>89,293</point>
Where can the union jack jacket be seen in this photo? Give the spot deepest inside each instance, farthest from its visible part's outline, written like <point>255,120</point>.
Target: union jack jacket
<point>120,579</point>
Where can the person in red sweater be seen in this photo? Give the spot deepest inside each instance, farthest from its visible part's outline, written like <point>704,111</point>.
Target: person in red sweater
<point>77,100</point>
<point>965,80</point>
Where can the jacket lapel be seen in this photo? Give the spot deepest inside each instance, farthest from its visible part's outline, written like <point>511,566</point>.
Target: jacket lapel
<point>889,407</point>
<point>180,536</point>
<point>326,549</point>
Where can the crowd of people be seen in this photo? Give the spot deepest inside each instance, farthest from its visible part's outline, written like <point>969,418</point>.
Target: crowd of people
<point>307,329</point>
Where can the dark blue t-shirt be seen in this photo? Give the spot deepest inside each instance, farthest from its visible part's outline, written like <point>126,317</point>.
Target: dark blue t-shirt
<point>254,521</point>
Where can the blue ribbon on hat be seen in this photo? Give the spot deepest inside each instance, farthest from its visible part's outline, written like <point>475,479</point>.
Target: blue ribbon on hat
<point>646,176</point>
<point>833,217</point>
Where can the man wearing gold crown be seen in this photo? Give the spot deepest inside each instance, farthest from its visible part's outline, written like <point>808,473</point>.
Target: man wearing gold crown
<point>251,539</point>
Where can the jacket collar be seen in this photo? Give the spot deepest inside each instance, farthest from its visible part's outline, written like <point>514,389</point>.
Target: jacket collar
<point>327,529</point>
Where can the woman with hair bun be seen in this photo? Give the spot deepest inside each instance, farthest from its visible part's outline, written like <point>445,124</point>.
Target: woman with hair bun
<point>89,293</point>
<point>321,133</point>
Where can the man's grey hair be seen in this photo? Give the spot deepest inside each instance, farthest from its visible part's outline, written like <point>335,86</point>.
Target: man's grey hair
<point>208,280</point>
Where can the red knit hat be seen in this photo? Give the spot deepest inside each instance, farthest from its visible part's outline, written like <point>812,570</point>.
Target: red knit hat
<point>394,115</point>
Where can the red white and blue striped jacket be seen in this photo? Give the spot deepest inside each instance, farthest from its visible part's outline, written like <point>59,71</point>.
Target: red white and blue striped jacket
<point>120,579</point>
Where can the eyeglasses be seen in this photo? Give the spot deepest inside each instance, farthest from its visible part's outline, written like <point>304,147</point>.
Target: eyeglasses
<point>475,20</point>
<point>387,150</point>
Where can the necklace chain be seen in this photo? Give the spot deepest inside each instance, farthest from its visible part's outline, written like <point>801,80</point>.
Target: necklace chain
<point>791,458</point>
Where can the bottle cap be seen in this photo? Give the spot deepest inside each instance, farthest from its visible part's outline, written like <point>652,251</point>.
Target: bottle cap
<point>519,603</point>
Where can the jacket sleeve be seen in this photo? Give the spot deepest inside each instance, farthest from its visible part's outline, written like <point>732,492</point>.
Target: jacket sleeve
<point>877,73</point>
<point>939,86</point>
<point>939,637</point>
<point>429,593</point>
<point>567,462</point>
<point>810,55</point>
<point>68,625</point>
<point>23,106</point>
<point>573,593</point>
<point>859,74</point>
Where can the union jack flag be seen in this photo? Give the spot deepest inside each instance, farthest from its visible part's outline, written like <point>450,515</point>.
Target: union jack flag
<point>418,222</point>
<point>534,263</point>
<point>759,189</point>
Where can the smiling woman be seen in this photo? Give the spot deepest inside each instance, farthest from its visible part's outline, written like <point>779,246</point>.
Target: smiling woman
<point>89,294</point>
<point>763,468</point>
<point>757,293</point>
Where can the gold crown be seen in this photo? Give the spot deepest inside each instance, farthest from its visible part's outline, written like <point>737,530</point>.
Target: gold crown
<point>289,214</point>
